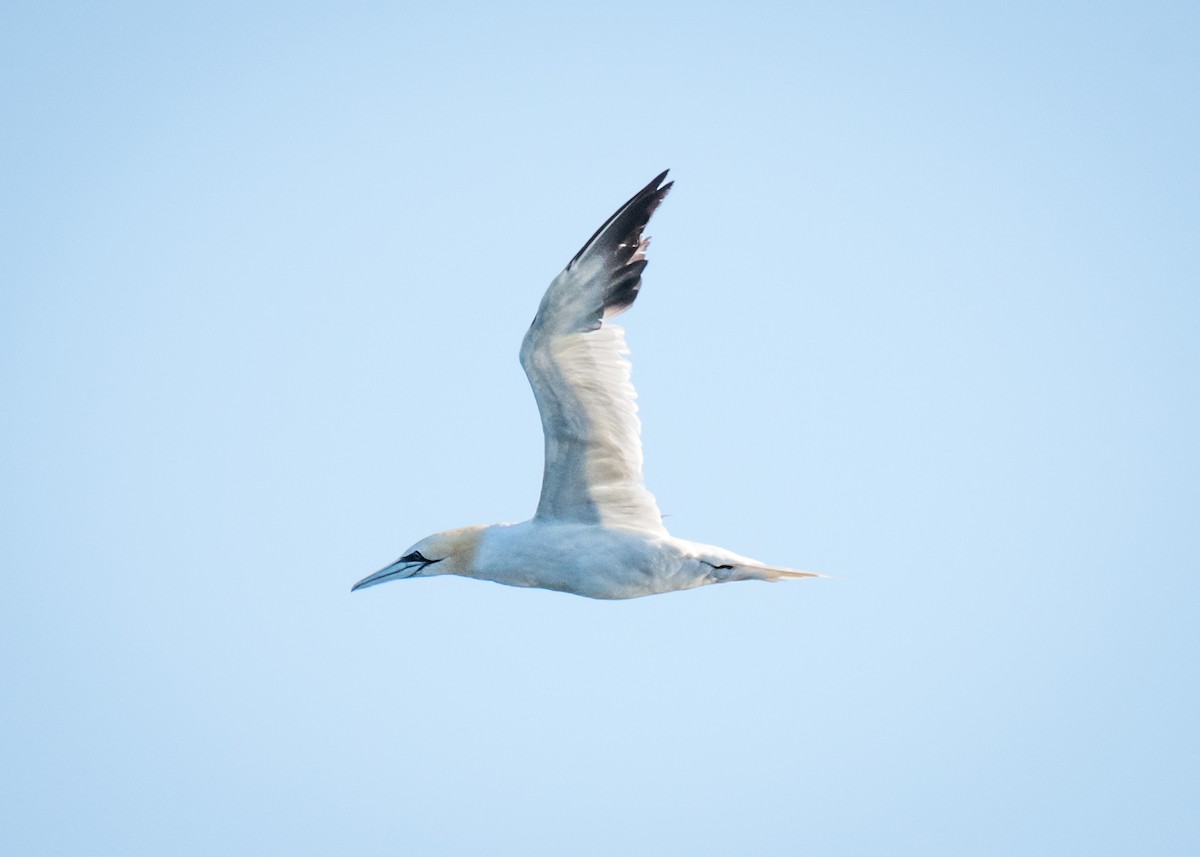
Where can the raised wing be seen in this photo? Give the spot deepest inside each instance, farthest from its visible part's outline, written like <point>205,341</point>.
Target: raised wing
<point>577,365</point>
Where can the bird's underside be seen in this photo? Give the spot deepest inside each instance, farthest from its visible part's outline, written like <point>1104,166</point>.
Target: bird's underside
<point>597,530</point>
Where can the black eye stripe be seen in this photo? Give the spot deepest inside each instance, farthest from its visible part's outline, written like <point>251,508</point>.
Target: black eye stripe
<point>415,556</point>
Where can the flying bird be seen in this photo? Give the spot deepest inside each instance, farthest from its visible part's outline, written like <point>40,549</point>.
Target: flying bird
<point>597,531</point>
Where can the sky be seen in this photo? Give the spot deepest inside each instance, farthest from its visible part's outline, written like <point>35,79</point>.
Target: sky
<point>920,313</point>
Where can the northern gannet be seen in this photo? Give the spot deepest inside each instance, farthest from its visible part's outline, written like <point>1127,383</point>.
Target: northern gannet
<point>597,531</point>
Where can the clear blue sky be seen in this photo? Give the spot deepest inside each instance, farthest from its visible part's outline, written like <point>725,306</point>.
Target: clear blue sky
<point>921,312</point>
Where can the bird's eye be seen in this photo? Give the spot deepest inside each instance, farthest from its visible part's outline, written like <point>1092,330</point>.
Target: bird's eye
<point>415,556</point>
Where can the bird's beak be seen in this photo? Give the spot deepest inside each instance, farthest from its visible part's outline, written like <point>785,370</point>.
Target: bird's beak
<point>396,571</point>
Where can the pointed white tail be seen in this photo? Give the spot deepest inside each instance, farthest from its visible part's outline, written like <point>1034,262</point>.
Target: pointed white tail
<point>766,572</point>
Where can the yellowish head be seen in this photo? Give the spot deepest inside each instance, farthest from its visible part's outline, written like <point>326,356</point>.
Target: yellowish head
<point>451,552</point>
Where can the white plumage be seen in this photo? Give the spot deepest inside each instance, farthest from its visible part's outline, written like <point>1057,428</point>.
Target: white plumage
<point>597,531</point>
<point>593,470</point>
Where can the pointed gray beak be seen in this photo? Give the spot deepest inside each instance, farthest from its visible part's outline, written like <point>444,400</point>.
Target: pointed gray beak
<point>396,571</point>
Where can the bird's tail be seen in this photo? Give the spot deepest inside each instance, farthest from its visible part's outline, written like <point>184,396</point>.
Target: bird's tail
<point>767,572</point>
<point>726,565</point>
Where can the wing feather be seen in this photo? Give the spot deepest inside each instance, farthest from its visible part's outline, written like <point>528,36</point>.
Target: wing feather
<point>578,367</point>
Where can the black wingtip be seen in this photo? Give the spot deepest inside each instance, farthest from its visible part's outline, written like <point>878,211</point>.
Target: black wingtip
<point>623,231</point>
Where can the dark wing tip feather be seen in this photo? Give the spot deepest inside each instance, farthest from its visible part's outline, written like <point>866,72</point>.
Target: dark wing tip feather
<point>620,237</point>
<point>623,288</point>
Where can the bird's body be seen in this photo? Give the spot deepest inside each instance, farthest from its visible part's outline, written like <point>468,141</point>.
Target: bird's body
<point>602,562</point>
<point>597,531</point>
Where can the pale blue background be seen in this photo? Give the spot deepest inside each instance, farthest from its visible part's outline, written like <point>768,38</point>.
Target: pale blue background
<point>922,312</point>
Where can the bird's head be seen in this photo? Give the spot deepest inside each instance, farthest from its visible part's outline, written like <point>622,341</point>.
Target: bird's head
<point>451,552</point>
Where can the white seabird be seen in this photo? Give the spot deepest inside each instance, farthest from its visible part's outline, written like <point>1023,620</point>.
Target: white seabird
<point>597,531</point>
